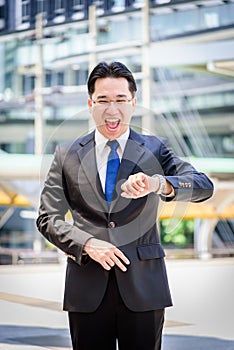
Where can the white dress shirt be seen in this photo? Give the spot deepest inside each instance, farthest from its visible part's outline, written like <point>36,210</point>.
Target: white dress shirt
<point>102,152</point>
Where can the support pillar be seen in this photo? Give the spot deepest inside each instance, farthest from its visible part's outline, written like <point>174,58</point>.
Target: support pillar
<point>93,44</point>
<point>146,79</point>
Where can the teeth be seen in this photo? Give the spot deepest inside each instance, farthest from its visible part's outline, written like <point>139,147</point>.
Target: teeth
<point>112,121</point>
<point>112,124</point>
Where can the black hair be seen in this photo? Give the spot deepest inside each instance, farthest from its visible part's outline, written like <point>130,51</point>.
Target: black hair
<point>111,70</point>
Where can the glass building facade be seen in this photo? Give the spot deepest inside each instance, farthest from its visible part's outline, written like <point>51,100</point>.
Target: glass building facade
<point>181,54</point>
<point>183,92</point>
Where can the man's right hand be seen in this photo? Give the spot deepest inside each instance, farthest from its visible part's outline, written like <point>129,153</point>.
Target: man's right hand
<point>106,254</point>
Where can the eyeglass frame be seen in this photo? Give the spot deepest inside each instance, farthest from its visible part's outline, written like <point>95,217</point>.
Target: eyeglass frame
<point>108,102</point>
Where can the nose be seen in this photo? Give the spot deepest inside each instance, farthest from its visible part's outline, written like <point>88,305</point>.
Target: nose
<point>112,107</point>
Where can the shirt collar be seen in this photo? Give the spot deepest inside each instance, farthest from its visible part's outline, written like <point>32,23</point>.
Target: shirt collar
<point>101,140</point>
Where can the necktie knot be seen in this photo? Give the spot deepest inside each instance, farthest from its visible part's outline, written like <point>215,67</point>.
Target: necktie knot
<point>113,144</point>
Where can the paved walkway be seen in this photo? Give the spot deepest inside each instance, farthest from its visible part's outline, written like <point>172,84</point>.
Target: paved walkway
<point>202,317</point>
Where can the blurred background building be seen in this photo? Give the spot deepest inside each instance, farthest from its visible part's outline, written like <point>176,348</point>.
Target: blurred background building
<point>182,56</point>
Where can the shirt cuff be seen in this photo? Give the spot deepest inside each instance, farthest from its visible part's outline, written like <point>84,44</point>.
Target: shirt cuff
<point>171,194</point>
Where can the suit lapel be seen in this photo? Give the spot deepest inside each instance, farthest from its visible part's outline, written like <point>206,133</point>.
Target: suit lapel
<point>132,154</point>
<point>86,154</point>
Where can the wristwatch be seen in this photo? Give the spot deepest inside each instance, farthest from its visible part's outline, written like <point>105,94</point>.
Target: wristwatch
<point>162,183</point>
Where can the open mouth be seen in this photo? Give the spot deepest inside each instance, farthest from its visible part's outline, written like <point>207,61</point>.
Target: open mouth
<point>112,124</point>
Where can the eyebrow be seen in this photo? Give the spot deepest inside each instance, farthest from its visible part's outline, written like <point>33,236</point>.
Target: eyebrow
<point>104,96</point>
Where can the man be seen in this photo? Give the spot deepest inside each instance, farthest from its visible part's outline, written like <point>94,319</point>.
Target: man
<point>116,284</point>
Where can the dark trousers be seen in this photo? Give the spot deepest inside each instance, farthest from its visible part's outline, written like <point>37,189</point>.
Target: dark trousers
<point>113,320</point>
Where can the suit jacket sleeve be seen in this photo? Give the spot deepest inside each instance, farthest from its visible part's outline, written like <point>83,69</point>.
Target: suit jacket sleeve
<point>51,221</point>
<point>189,184</point>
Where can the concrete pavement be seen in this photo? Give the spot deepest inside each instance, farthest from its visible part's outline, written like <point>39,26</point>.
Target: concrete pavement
<point>202,317</point>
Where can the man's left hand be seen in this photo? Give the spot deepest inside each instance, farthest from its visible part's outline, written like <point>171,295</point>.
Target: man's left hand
<point>139,185</point>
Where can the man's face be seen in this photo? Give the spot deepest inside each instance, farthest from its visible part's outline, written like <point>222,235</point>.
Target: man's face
<point>112,119</point>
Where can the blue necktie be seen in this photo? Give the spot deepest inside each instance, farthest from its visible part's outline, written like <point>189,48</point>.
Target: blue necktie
<point>111,170</point>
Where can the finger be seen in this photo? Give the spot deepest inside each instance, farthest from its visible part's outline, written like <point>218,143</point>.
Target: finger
<point>120,265</point>
<point>141,184</point>
<point>135,182</point>
<point>132,189</point>
<point>132,195</point>
<point>110,262</point>
<point>123,186</point>
<point>118,259</point>
<point>127,187</point>
<point>138,179</point>
<point>128,195</point>
<point>137,187</point>
<point>105,265</point>
<point>121,255</point>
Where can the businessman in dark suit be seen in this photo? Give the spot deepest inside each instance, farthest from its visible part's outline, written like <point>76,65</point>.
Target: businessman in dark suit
<point>111,181</point>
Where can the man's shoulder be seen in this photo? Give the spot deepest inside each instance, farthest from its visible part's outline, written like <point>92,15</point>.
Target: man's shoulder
<point>75,144</point>
<point>148,140</point>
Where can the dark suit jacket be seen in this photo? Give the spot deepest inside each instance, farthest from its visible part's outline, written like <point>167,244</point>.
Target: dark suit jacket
<point>73,184</point>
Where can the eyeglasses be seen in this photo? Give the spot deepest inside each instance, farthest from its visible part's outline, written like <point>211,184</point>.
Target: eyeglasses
<point>107,103</point>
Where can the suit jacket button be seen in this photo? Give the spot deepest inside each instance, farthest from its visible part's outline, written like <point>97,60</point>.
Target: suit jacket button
<point>111,224</point>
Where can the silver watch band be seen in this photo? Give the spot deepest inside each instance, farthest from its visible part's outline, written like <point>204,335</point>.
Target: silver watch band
<point>162,183</point>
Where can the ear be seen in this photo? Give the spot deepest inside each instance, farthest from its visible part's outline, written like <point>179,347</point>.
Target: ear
<point>90,104</point>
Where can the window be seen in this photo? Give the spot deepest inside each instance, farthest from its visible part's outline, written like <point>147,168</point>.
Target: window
<point>8,80</point>
<point>78,8</point>
<point>118,5</point>
<point>99,7</point>
<point>59,11</point>
<point>22,14</point>
<point>2,15</point>
<point>78,4</point>
<point>25,10</point>
<point>60,78</point>
<point>28,84</point>
<point>138,3</point>
<point>59,6</point>
<point>81,77</point>
<point>48,79</point>
<point>41,6</point>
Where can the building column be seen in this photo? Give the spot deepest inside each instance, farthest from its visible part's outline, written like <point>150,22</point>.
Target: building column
<point>146,78</point>
<point>204,238</point>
